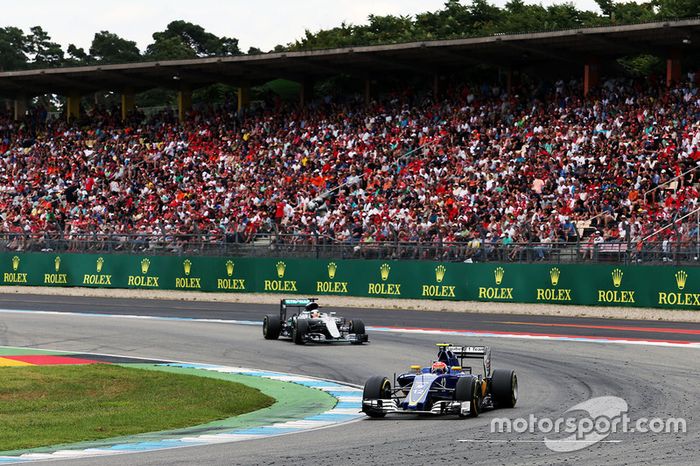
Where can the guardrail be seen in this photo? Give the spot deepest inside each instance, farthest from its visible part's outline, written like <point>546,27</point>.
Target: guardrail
<point>316,246</point>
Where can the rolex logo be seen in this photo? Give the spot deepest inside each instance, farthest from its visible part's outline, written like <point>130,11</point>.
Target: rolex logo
<point>332,267</point>
<point>440,273</point>
<point>554,274</point>
<point>187,266</point>
<point>57,263</point>
<point>229,268</point>
<point>384,270</point>
<point>617,278</point>
<point>498,275</point>
<point>145,264</point>
<point>681,277</point>
<point>15,263</point>
<point>100,263</point>
<point>281,267</point>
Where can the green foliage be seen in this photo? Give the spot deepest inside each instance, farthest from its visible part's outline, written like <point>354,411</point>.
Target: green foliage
<point>169,48</point>
<point>677,8</point>
<point>13,49</point>
<point>214,95</point>
<point>182,39</point>
<point>46,54</point>
<point>108,47</point>
<point>76,56</point>
<point>642,65</point>
<point>481,18</point>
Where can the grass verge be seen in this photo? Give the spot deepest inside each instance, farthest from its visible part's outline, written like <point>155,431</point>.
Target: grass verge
<point>49,405</point>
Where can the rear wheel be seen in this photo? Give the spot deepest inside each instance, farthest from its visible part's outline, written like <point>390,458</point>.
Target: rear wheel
<point>504,387</point>
<point>301,327</point>
<point>376,388</point>
<point>468,389</point>
<point>358,328</point>
<point>271,327</point>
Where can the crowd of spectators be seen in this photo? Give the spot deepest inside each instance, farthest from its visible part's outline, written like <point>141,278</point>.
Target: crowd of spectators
<point>478,167</point>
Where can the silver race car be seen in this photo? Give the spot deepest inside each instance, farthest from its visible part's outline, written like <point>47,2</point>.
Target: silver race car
<point>309,325</point>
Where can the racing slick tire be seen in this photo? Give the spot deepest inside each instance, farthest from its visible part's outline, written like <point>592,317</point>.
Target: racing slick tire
<point>376,388</point>
<point>468,389</point>
<point>301,327</point>
<point>504,387</point>
<point>271,327</point>
<point>358,328</point>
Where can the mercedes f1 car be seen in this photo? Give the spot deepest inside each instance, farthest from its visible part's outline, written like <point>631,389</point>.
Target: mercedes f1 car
<point>446,387</point>
<point>308,324</point>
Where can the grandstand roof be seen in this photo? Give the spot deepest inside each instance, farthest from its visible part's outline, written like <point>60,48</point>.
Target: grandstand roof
<point>561,48</point>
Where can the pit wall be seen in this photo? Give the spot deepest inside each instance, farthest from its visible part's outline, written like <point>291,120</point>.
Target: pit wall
<point>582,284</point>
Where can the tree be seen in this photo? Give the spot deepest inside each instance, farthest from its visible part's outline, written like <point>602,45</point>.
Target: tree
<point>631,12</point>
<point>13,49</point>
<point>44,52</point>
<point>168,48</point>
<point>606,6</point>
<point>182,39</point>
<point>108,47</point>
<point>254,51</point>
<point>76,56</point>
<point>677,8</point>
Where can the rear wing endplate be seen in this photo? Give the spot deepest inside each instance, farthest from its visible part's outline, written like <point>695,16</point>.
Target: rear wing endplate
<point>295,302</point>
<point>474,352</point>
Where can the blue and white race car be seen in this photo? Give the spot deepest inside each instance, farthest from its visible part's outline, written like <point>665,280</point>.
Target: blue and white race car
<point>447,386</point>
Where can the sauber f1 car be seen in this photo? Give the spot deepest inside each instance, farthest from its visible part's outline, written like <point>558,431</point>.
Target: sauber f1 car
<point>308,324</point>
<point>448,386</point>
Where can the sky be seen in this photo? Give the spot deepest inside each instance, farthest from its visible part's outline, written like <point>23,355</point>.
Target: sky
<point>259,23</point>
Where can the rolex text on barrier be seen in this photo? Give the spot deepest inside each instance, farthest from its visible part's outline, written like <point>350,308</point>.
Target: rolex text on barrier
<point>585,284</point>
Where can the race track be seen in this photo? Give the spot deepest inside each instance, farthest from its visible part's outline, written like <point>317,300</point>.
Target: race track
<point>655,381</point>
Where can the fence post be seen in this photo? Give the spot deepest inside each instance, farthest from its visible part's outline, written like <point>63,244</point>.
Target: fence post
<point>628,229</point>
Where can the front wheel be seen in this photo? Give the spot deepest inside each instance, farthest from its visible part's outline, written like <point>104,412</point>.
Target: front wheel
<point>301,327</point>
<point>376,388</point>
<point>271,327</point>
<point>357,327</point>
<point>469,389</point>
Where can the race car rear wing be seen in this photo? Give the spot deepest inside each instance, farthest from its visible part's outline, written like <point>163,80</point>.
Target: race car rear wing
<point>472,352</point>
<point>294,303</point>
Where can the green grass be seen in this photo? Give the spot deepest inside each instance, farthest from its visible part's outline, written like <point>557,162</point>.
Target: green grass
<point>50,405</point>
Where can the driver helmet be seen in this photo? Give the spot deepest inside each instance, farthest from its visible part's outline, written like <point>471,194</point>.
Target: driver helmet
<point>438,367</point>
<point>313,310</point>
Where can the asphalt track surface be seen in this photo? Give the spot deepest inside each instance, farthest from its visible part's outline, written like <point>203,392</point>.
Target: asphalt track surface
<point>554,376</point>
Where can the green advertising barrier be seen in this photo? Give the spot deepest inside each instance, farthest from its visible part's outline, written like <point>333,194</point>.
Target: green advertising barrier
<point>608,285</point>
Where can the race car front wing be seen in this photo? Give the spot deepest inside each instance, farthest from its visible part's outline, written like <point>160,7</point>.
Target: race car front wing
<point>348,338</point>
<point>391,405</point>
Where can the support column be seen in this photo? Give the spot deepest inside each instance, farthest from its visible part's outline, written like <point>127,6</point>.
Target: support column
<point>128,102</point>
<point>243,98</point>
<point>509,81</point>
<point>591,75</point>
<point>73,106</point>
<point>673,68</point>
<point>368,91</point>
<point>20,107</point>
<point>184,103</point>
<point>306,92</point>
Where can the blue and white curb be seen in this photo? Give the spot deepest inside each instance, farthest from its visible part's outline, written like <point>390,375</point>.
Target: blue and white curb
<point>347,409</point>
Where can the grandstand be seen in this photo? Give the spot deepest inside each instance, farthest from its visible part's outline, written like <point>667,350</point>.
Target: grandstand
<point>549,168</point>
